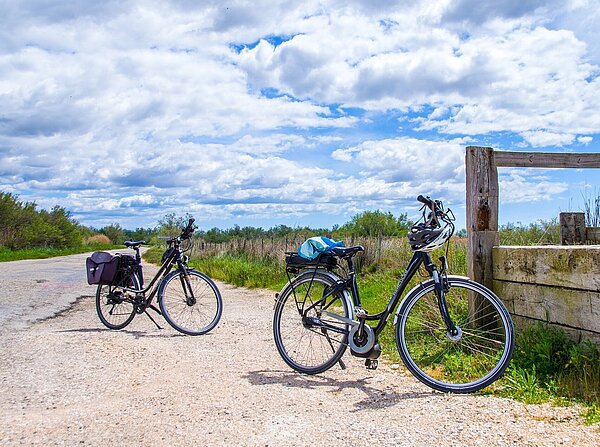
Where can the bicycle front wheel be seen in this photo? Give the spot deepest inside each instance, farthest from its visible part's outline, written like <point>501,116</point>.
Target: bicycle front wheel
<point>307,336</point>
<point>114,304</point>
<point>190,303</point>
<point>463,363</point>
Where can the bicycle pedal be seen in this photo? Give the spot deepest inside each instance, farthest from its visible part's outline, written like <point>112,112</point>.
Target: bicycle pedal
<point>371,363</point>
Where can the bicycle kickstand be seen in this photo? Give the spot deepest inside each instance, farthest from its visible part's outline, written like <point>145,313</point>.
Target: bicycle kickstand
<point>152,319</point>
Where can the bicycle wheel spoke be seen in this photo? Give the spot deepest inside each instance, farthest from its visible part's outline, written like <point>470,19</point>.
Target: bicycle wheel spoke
<point>491,340</point>
<point>115,315</point>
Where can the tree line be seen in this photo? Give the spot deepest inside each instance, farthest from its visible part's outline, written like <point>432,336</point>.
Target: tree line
<point>368,224</point>
<point>24,225</point>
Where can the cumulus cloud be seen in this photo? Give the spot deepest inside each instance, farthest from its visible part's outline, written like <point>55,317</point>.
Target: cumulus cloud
<point>407,159</point>
<point>516,76</point>
<point>528,186</point>
<point>540,138</point>
<point>476,12</point>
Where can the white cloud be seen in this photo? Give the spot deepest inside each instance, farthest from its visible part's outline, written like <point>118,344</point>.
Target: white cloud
<point>518,78</point>
<point>540,138</point>
<point>584,140</point>
<point>526,185</point>
<point>407,159</point>
<point>159,107</point>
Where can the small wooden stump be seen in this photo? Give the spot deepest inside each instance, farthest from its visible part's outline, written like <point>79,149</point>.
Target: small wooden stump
<point>572,229</point>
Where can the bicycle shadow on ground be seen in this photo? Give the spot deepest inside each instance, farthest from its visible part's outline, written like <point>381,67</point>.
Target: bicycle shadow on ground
<point>374,398</point>
<point>135,334</point>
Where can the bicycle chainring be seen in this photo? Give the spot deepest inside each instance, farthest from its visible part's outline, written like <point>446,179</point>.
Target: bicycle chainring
<point>361,343</point>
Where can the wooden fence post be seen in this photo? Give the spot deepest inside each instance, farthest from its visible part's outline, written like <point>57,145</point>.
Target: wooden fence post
<point>482,212</point>
<point>572,228</point>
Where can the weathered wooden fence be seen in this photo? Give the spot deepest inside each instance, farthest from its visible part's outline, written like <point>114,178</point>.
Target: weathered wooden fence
<point>556,285</point>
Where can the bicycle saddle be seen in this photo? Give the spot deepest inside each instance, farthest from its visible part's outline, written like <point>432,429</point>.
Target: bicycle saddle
<point>347,252</point>
<point>134,243</point>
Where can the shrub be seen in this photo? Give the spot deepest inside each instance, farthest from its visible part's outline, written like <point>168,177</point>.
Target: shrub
<point>99,239</point>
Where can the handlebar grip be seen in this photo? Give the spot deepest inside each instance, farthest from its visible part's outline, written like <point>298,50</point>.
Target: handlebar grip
<point>425,200</point>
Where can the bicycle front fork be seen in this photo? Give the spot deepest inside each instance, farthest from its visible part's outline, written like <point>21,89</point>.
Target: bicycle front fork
<point>184,277</point>
<point>441,287</point>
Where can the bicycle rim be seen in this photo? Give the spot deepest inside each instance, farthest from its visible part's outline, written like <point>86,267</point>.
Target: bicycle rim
<point>464,363</point>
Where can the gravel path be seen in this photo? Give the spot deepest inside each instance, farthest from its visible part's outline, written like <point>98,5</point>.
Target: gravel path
<point>66,380</point>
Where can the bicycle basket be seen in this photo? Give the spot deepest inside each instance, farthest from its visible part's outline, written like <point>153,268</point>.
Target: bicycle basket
<point>294,262</point>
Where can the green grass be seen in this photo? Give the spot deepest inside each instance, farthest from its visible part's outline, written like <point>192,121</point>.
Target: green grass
<point>241,270</point>
<point>43,253</point>
<point>153,255</point>
<point>548,366</point>
<point>542,232</point>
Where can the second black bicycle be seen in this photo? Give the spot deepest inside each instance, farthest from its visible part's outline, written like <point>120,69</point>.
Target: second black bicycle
<point>188,299</point>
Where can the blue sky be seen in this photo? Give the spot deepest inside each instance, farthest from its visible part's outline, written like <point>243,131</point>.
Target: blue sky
<point>300,113</point>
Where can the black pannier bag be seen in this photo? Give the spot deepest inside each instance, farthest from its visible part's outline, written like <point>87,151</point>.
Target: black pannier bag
<point>294,262</point>
<point>102,268</point>
<point>106,269</point>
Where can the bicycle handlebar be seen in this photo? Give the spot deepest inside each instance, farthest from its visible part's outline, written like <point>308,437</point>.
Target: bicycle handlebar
<point>437,209</point>
<point>425,200</point>
<point>189,229</point>
<point>186,233</point>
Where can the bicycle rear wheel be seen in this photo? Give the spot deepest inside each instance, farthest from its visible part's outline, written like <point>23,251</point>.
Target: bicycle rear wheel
<point>190,303</point>
<point>467,362</point>
<point>114,305</point>
<point>301,313</point>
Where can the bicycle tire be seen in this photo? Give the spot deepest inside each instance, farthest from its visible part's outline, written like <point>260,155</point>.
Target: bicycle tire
<point>463,364</point>
<point>307,349</point>
<point>113,305</point>
<point>190,318</point>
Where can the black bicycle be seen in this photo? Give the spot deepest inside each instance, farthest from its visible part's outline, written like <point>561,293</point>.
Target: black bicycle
<point>453,334</point>
<point>188,299</point>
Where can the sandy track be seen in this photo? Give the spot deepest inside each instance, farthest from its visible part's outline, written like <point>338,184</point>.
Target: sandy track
<point>66,380</point>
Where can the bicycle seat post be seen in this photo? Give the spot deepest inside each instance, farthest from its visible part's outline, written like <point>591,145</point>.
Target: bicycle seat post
<point>352,282</point>
<point>138,258</point>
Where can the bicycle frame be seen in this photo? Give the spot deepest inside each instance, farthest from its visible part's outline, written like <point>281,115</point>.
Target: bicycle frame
<point>165,268</point>
<point>419,258</point>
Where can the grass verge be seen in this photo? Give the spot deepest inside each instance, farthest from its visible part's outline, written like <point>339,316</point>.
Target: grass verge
<point>43,253</point>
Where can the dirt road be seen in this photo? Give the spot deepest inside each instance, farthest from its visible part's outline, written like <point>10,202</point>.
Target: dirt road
<point>66,380</point>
